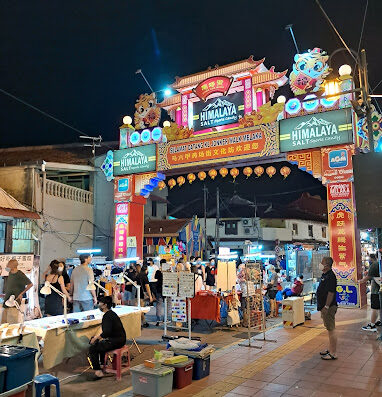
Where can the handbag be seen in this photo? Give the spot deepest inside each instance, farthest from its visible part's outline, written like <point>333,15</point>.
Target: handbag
<point>233,317</point>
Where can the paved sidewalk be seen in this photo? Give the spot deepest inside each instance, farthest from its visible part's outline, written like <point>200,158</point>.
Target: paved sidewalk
<point>293,367</point>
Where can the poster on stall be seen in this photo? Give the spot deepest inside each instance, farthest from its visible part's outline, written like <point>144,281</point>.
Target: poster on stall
<point>170,284</point>
<point>25,262</point>
<point>348,294</point>
<point>178,310</point>
<point>186,285</point>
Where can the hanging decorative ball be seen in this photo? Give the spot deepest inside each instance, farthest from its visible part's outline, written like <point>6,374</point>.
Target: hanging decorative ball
<point>181,180</point>
<point>171,182</point>
<point>161,185</point>
<point>259,171</point>
<point>285,171</point>
<point>191,177</point>
<point>247,171</point>
<point>234,173</point>
<point>223,172</point>
<point>202,175</point>
<point>271,171</point>
<point>212,173</point>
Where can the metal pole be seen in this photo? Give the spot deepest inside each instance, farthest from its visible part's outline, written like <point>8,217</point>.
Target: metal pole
<point>248,308</point>
<point>189,318</point>
<point>139,71</point>
<point>217,242</point>
<point>367,100</point>
<point>165,317</point>
<point>205,221</point>
<point>290,28</point>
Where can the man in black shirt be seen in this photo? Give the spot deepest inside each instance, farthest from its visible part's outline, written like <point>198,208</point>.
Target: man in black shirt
<point>327,305</point>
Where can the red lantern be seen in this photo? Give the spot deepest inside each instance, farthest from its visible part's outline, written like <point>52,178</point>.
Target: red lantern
<point>191,177</point>
<point>180,180</point>
<point>234,173</point>
<point>259,171</point>
<point>247,171</point>
<point>212,173</point>
<point>171,183</point>
<point>161,185</point>
<point>223,172</point>
<point>285,171</point>
<point>271,171</point>
<point>202,175</point>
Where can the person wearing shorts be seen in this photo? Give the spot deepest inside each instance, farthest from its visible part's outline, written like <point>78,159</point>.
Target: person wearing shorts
<point>327,305</point>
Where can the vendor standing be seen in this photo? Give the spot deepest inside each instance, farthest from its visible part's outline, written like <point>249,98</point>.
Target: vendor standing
<point>17,284</point>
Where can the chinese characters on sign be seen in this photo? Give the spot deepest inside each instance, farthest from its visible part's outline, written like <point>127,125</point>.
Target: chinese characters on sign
<point>25,263</point>
<point>121,223</point>
<point>214,84</point>
<point>342,229</point>
<point>255,142</point>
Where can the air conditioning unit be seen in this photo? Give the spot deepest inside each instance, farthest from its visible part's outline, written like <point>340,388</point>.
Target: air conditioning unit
<point>247,230</point>
<point>247,222</point>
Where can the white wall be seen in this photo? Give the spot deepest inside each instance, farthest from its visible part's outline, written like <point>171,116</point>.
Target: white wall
<point>270,233</point>
<point>66,226</point>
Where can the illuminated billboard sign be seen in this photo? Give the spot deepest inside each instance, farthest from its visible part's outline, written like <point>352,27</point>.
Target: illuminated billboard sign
<point>134,160</point>
<point>218,111</point>
<point>316,130</point>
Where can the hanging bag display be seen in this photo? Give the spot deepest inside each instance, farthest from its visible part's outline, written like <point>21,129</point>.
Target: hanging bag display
<point>233,317</point>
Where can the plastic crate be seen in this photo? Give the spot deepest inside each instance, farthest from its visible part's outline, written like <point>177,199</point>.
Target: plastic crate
<point>183,373</point>
<point>152,382</point>
<point>201,368</point>
<point>2,378</point>
<point>20,363</point>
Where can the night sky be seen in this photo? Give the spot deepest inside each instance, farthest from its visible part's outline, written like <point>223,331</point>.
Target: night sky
<point>77,59</point>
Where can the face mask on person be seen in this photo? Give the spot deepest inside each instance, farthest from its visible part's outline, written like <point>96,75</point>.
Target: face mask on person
<point>61,269</point>
<point>199,262</point>
<point>321,266</point>
<point>8,269</point>
<point>212,262</point>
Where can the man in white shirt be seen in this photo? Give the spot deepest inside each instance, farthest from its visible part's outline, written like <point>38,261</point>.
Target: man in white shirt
<point>83,299</point>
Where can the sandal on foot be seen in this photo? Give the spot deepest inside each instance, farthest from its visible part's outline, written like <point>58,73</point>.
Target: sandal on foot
<point>324,353</point>
<point>329,356</point>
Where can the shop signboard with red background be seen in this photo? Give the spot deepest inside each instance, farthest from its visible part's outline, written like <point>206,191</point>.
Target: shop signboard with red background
<point>213,85</point>
<point>337,165</point>
<point>122,188</point>
<point>251,142</point>
<point>121,230</point>
<point>342,232</point>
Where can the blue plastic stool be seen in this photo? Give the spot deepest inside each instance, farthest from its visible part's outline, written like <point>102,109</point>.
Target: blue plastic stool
<point>43,382</point>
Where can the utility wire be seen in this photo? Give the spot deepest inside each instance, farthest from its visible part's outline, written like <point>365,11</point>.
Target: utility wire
<point>361,34</point>
<point>42,112</point>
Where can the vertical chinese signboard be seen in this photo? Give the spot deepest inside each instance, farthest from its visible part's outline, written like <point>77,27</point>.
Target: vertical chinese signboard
<point>121,230</point>
<point>342,227</point>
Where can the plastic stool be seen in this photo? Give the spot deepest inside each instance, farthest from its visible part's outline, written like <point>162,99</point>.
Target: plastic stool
<point>116,366</point>
<point>43,382</point>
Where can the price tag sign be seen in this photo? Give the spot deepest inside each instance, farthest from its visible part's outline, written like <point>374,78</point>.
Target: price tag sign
<point>186,285</point>
<point>170,284</point>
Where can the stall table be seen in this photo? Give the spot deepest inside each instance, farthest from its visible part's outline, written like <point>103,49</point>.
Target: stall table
<point>64,341</point>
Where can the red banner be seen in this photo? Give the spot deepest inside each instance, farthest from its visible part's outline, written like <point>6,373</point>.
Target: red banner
<point>121,231</point>
<point>342,230</point>
<point>251,142</point>
<point>212,85</point>
<point>337,165</point>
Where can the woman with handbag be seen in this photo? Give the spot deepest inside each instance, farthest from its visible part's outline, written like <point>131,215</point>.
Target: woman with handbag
<point>146,295</point>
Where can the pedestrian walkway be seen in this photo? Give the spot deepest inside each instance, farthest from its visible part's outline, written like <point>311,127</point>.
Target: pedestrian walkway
<point>292,366</point>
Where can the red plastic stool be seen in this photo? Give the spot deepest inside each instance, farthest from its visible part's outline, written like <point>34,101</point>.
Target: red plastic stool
<point>116,366</point>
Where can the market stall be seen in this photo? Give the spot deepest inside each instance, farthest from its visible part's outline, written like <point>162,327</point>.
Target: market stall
<point>61,341</point>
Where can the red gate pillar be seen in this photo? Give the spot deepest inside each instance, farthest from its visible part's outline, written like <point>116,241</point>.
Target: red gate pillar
<point>136,221</point>
<point>345,244</point>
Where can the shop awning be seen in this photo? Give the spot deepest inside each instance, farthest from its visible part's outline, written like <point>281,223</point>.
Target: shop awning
<point>10,207</point>
<point>165,227</point>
